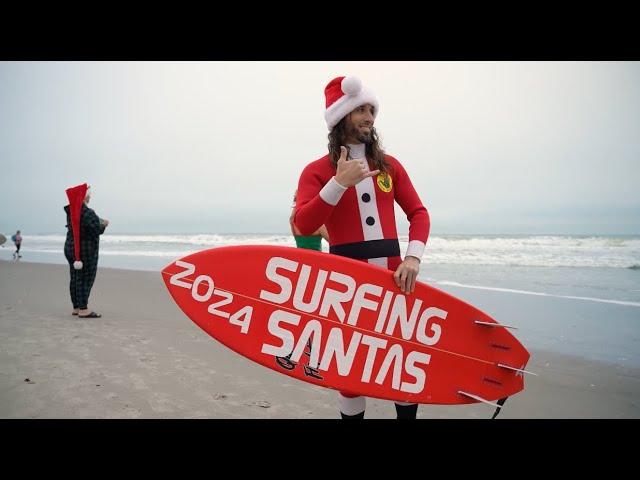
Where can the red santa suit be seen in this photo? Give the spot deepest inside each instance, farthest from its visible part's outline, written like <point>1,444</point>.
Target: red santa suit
<point>361,220</point>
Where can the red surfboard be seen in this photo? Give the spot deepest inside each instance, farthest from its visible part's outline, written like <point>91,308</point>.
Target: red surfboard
<point>344,324</point>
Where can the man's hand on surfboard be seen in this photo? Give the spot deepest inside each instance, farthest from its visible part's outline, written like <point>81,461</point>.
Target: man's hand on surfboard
<point>406,274</point>
<point>349,173</point>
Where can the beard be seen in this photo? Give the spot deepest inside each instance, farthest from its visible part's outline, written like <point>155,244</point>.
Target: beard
<point>362,137</point>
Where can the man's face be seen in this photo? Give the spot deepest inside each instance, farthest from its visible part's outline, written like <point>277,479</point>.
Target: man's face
<point>360,123</point>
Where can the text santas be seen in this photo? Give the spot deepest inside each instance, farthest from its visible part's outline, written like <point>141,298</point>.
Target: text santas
<point>378,312</point>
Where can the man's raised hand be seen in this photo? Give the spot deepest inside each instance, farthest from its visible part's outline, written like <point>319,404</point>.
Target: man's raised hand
<point>349,173</point>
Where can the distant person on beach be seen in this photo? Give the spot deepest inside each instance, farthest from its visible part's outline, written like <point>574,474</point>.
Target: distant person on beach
<point>352,191</point>
<point>84,228</point>
<point>16,238</point>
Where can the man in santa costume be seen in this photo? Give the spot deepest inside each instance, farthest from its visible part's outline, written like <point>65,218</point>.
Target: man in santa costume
<point>352,191</point>
<point>84,228</point>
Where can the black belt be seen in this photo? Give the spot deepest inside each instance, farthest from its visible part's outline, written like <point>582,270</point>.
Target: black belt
<point>368,249</point>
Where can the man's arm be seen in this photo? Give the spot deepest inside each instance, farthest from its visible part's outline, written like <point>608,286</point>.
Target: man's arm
<point>315,201</point>
<point>419,225</point>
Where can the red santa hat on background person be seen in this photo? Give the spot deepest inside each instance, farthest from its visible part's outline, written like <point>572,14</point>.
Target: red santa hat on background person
<point>76,196</point>
<point>343,95</point>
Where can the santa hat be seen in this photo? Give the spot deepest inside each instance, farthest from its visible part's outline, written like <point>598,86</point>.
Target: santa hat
<point>76,196</point>
<point>343,95</point>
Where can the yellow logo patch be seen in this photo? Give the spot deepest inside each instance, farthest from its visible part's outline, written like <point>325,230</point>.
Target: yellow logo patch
<point>384,182</point>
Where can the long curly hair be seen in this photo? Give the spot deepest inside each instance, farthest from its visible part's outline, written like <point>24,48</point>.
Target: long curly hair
<point>373,149</point>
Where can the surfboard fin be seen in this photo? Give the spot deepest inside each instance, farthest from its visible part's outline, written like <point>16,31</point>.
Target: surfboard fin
<point>501,365</point>
<point>489,324</point>
<point>479,399</point>
<point>498,404</point>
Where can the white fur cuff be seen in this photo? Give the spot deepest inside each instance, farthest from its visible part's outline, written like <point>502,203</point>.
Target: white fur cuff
<point>415,249</point>
<point>332,192</point>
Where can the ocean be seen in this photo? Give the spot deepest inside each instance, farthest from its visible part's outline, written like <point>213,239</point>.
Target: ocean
<point>578,295</point>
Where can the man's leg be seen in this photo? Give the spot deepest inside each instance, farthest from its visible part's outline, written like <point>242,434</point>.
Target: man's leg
<point>406,411</point>
<point>352,406</point>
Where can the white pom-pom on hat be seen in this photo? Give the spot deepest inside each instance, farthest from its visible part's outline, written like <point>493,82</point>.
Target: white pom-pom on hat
<point>351,85</point>
<point>77,265</point>
<point>343,95</point>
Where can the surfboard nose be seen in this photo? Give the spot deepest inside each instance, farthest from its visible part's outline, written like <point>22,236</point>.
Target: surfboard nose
<point>167,269</point>
<point>167,272</point>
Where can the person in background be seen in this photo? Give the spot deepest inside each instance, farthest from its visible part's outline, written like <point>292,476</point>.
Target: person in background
<point>81,247</point>
<point>17,241</point>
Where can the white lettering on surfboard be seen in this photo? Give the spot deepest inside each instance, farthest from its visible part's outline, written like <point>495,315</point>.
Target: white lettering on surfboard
<point>328,294</point>
<point>393,364</point>
<point>227,298</point>
<point>242,317</point>
<point>189,269</point>
<point>384,357</point>
<point>414,322</point>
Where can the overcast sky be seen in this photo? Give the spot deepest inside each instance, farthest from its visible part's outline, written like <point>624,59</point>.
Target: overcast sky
<point>217,147</point>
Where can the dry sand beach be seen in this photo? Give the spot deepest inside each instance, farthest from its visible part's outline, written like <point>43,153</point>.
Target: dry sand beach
<point>145,359</point>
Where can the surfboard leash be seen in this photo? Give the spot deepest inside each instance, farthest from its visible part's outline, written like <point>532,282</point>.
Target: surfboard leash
<point>501,403</point>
